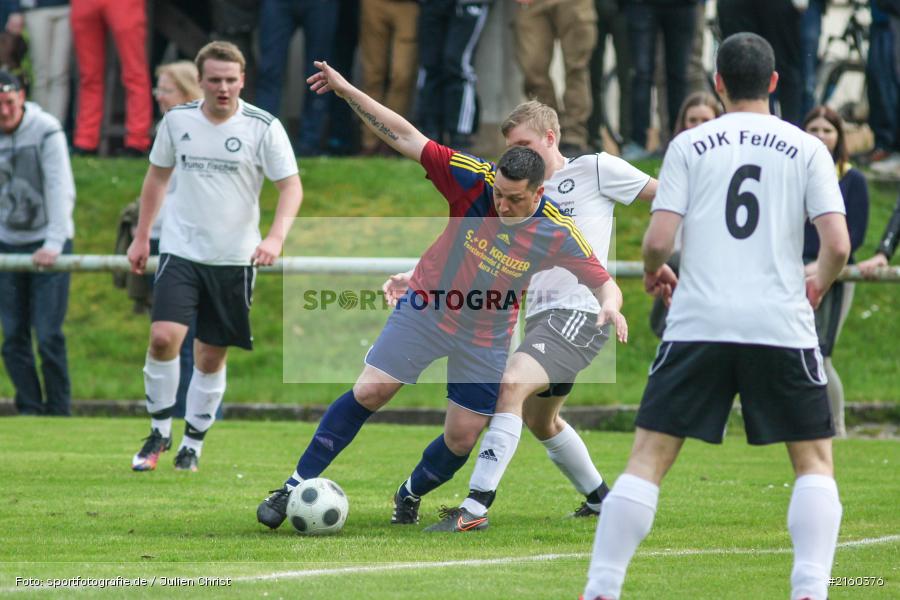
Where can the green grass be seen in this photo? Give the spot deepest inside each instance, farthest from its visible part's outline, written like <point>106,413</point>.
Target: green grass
<point>71,507</point>
<point>107,342</point>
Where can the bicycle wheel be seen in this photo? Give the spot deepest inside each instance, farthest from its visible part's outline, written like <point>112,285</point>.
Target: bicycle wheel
<point>842,86</point>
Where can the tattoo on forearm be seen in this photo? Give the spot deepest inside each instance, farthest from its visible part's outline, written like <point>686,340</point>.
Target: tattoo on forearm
<point>377,125</point>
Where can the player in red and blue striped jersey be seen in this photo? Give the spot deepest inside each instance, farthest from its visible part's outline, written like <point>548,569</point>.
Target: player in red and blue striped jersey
<point>462,302</point>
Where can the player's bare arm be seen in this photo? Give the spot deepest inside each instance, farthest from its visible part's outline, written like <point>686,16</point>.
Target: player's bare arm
<point>648,192</point>
<point>834,251</point>
<point>153,193</point>
<point>659,279</point>
<point>610,298</point>
<point>290,197</point>
<point>394,130</point>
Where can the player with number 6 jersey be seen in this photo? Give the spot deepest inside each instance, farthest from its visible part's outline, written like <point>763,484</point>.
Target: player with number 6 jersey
<point>741,322</point>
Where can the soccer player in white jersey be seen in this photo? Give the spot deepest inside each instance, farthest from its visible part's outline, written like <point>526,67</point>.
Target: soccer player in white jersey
<point>741,320</point>
<point>221,148</point>
<point>561,335</point>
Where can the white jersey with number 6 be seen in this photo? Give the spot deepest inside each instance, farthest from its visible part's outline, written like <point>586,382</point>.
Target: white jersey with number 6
<point>745,183</point>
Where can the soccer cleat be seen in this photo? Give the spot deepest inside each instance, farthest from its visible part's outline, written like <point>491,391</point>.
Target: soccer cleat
<point>272,511</point>
<point>458,520</point>
<point>147,457</point>
<point>406,510</point>
<point>187,460</point>
<point>585,511</point>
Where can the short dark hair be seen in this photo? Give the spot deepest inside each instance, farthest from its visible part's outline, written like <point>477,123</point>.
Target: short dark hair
<point>9,82</point>
<point>519,163</point>
<point>746,63</point>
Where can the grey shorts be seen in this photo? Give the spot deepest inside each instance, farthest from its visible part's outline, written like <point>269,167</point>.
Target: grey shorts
<point>563,342</point>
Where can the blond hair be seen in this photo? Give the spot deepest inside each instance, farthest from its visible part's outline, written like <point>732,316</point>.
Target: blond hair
<point>224,51</point>
<point>533,114</point>
<point>183,74</point>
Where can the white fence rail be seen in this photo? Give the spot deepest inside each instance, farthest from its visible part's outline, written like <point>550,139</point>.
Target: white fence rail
<point>302,265</point>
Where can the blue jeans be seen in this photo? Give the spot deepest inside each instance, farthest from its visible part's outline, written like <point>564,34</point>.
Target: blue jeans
<point>883,88</point>
<point>278,19</point>
<point>810,32</point>
<point>36,301</point>
<point>677,26</point>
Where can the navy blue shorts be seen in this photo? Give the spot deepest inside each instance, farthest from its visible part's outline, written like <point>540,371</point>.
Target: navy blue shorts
<point>411,340</point>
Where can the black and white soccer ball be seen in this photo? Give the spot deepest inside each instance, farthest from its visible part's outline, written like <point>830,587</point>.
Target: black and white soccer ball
<point>317,506</point>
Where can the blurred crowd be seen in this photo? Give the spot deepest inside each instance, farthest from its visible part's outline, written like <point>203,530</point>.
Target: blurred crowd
<point>658,46</point>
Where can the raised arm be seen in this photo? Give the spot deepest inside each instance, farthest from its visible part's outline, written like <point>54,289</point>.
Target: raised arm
<point>153,192</point>
<point>394,130</point>
<point>290,197</point>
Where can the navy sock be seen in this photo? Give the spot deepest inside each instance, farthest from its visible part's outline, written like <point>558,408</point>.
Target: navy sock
<point>339,425</point>
<point>438,465</point>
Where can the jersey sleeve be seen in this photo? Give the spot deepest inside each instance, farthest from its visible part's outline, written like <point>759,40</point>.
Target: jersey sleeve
<point>673,192</point>
<point>618,180</point>
<point>163,152</point>
<point>823,194</point>
<point>454,174</point>
<point>276,154</point>
<point>576,255</point>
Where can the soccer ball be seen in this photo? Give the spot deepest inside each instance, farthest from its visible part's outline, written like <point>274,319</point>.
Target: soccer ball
<point>317,506</point>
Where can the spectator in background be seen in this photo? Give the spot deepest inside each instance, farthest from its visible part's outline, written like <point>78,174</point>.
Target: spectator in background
<point>13,47</point>
<point>278,20</point>
<point>779,24</point>
<point>388,51</point>
<point>126,20</point>
<point>675,20</point>
<point>697,109</point>
<point>539,24</point>
<point>448,99</point>
<point>826,125</point>
<point>884,86</point>
<point>342,124</point>
<point>610,22</point>
<point>176,83</point>
<point>886,247</point>
<point>47,22</point>
<point>235,21</point>
<point>810,32</point>
<point>37,196</point>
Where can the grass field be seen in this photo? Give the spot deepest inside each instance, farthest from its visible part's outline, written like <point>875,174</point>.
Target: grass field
<point>107,342</point>
<point>72,508</point>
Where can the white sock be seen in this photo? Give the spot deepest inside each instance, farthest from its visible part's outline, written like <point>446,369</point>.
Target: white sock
<point>196,445</point>
<point>814,517</point>
<point>625,521</point>
<point>567,451</point>
<point>160,386</point>
<point>204,396</point>
<point>497,448</point>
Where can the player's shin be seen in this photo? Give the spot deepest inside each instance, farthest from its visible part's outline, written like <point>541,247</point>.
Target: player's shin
<point>626,520</point>
<point>339,425</point>
<point>160,388</point>
<point>497,449</point>
<point>814,518</point>
<point>438,465</point>
<point>570,455</point>
<point>204,396</point>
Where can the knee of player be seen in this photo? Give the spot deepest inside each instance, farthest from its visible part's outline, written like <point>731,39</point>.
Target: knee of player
<point>461,441</point>
<point>163,341</point>
<point>372,395</point>
<point>514,390</point>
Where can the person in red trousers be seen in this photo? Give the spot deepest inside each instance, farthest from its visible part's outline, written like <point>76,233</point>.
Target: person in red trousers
<point>126,20</point>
